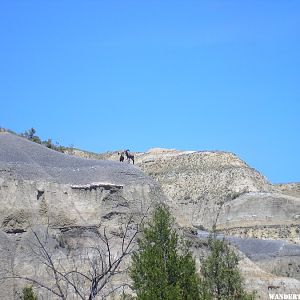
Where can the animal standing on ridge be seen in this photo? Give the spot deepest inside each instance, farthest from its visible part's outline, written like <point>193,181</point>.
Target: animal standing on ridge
<point>129,156</point>
<point>121,156</point>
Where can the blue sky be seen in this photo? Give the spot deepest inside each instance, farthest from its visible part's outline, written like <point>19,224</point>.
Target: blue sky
<point>194,75</point>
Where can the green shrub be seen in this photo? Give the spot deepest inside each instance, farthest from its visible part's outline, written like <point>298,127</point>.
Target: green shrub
<point>221,276</point>
<point>28,294</point>
<point>163,268</point>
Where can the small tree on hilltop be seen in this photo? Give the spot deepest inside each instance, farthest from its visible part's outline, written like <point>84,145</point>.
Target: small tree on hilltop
<point>163,268</point>
<point>30,135</point>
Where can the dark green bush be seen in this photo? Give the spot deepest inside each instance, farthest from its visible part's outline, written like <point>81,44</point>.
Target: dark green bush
<point>28,293</point>
<point>163,268</point>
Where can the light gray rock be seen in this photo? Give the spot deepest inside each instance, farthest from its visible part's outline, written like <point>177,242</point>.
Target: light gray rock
<point>260,209</point>
<point>291,189</point>
<point>47,190</point>
<point>199,183</point>
<point>73,196</point>
<point>22,159</point>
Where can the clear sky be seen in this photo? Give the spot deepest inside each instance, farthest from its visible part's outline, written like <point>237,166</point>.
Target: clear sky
<point>192,75</point>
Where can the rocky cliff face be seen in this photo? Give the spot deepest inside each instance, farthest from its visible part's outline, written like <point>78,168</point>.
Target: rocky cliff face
<point>207,187</point>
<point>47,190</point>
<point>71,197</point>
<point>200,183</point>
<point>217,187</point>
<point>291,189</point>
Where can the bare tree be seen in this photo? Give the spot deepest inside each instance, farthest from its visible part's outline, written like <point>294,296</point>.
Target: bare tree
<point>86,273</point>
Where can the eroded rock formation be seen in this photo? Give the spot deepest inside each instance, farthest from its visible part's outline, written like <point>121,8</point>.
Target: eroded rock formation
<point>44,190</point>
<point>72,197</point>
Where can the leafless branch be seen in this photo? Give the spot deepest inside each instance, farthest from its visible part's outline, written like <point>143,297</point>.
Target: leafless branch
<point>89,274</point>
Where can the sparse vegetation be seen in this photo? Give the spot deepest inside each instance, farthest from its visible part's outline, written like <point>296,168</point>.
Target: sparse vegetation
<point>86,276</point>
<point>30,134</point>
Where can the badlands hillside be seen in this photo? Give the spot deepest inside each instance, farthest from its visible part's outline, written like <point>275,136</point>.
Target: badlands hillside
<point>66,200</point>
<point>70,196</point>
<point>213,187</point>
<point>218,187</point>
